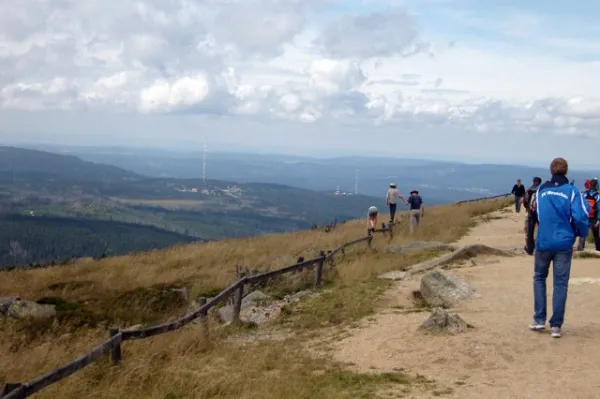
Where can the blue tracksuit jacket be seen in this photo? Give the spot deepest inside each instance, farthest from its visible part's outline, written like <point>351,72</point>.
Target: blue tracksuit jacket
<point>562,214</point>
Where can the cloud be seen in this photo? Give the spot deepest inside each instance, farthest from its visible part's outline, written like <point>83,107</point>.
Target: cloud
<point>378,34</point>
<point>301,63</point>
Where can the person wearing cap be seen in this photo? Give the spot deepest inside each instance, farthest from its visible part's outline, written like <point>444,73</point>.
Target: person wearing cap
<point>391,198</point>
<point>372,219</point>
<point>562,216</point>
<point>417,209</point>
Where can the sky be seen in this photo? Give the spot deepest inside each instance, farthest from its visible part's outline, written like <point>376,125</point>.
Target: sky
<point>477,80</point>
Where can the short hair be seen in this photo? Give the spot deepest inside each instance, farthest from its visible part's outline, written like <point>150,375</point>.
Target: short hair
<point>559,166</point>
<point>537,179</point>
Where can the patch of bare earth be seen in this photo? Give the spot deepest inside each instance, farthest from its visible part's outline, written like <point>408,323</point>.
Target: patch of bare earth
<point>500,357</point>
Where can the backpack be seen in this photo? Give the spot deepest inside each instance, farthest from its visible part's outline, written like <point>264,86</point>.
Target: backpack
<point>592,199</point>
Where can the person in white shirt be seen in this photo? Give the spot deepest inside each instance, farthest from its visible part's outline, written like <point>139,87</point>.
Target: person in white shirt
<point>391,198</point>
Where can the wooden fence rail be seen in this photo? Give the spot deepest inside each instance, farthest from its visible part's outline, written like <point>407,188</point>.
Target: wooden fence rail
<point>116,336</point>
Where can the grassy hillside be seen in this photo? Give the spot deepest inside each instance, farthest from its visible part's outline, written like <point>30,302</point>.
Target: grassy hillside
<point>282,360</point>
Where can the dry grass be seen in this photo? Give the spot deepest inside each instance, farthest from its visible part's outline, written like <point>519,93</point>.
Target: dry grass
<point>129,289</point>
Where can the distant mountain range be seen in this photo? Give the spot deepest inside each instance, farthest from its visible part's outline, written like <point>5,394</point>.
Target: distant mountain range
<point>52,206</point>
<point>437,181</point>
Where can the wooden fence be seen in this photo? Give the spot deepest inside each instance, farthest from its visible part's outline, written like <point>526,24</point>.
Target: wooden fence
<point>480,199</point>
<point>116,337</point>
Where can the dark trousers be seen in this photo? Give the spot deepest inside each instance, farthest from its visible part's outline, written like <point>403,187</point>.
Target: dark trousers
<point>530,233</point>
<point>595,233</point>
<point>392,212</point>
<point>518,203</point>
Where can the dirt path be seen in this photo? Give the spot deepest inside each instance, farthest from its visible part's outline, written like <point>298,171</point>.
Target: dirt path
<point>500,358</point>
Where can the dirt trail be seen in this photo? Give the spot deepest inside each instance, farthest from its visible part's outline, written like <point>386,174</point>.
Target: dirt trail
<point>501,357</point>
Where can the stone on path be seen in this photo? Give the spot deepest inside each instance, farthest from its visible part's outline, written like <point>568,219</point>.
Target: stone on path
<point>441,321</point>
<point>443,289</point>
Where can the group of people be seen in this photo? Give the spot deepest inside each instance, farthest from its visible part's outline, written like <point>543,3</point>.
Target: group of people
<point>562,213</point>
<point>414,201</point>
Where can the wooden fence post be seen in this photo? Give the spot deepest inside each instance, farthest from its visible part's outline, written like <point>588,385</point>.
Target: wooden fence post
<point>369,241</point>
<point>203,317</point>
<point>115,353</point>
<point>391,225</point>
<point>319,274</point>
<point>237,304</point>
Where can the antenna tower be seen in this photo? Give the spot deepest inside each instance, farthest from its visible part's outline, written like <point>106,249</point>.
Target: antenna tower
<point>356,183</point>
<point>204,163</point>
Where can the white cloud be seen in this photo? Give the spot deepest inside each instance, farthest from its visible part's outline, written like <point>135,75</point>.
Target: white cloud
<point>296,62</point>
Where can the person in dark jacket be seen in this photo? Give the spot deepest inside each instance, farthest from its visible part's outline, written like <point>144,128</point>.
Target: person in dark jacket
<point>531,219</point>
<point>518,191</point>
<point>562,215</point>
<point>417,209</point>
<point>592,196</point>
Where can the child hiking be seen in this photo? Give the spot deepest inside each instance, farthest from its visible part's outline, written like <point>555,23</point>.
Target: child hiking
<point>372,220</point>
<point>592,197</point>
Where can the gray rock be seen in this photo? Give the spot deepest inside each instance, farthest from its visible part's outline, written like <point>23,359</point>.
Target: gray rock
<point>253,299</point>
<point>22,309</point>
<point>395,276</point>
<point>440,321</point>
<point>297,296</point>
<point>443,289</point>
<point>5,304</point>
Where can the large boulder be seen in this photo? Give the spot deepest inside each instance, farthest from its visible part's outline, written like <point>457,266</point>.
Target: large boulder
<point>443,289</point>
<point>18,308</point>
<point>440,321</point>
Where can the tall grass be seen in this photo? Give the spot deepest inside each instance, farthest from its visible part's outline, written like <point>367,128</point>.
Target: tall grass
<point>130,289</point>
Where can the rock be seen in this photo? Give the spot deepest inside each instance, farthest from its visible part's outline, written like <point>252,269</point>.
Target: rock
<point>467,252</point>
<point>297,296</point>
<point>22,308</point>
<point>443,289</point>
<point>253,299</point>
<point>395,276</point>
<point>441,321</point>
<point>5,304</point>
<point>261,315</point>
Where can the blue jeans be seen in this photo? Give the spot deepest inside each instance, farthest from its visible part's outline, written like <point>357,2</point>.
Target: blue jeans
<point>561,270</point>
<point>518,204</point>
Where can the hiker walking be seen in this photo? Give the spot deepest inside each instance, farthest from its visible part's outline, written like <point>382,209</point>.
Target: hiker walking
<point>417,209</point>
<point>592,197</point>
<point>391,198</point>
<point>372,220</point>
<point>562,216</point>
<point>531,219</point>
<point>518,191</point>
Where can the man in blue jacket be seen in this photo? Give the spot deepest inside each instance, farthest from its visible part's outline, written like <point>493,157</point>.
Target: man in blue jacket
<point>562,215</point>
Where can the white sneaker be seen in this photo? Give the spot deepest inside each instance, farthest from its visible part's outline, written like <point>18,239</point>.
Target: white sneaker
<point>537,326</point>
<point>556,332</point>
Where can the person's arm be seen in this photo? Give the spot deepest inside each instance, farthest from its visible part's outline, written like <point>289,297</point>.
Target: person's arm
<point>597,209</point>
<point>401,197</point>
<point>387,198</point>
<point>580,213</point>
<point>514,189</point>
<point>422,207</point>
